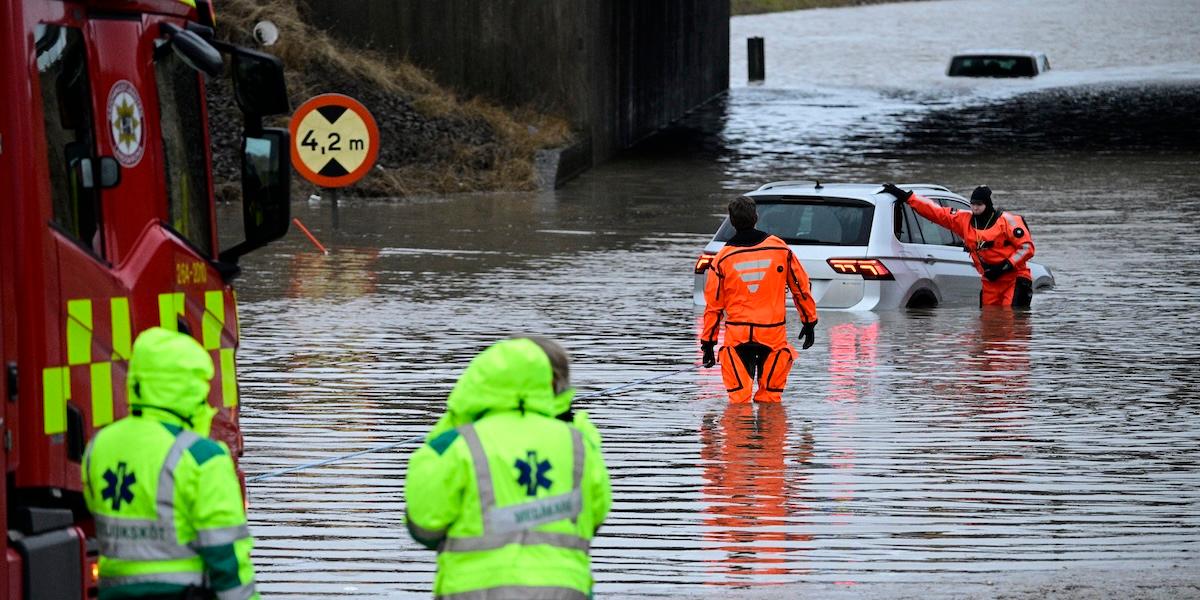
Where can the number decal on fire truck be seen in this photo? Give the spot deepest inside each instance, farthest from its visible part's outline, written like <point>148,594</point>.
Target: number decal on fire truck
<point>126,123</point>
<point>334,140</point>
<point>187,273</point>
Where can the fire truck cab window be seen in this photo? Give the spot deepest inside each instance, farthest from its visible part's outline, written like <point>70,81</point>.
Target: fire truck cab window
<point>184,150</point>
<point>70,132</point>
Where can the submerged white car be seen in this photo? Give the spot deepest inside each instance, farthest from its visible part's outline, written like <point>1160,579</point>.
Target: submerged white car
<point>862,249</point>
<point>998,63</point>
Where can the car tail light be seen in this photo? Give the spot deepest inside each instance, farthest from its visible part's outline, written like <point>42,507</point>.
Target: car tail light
<point>869,268</point>
<point>704,262</point>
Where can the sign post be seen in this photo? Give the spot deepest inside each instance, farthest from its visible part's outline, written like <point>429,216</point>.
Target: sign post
<point>335,142</point>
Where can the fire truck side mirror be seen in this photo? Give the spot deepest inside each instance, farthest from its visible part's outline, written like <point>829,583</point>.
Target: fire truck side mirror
<point>266,191</point>
<point>193,50</point>
<point>258,83</point>
<point>103,172</point>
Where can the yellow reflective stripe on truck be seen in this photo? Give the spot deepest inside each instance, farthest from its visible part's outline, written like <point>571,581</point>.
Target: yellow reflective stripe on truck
<point>102,394</point>
<point>122,342</point>
<point>214,319</point>
<point>79,332</point>
<point>56,390</point>
<point>229,388</point>
<point>170,308</point>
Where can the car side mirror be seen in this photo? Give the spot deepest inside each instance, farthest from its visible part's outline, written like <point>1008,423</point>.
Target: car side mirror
<point>266,190</point>
<point>103,173</point>
<point>258,83</point>
<point>193,50</point>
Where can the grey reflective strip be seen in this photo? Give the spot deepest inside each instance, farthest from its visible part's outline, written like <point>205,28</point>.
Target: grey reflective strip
<point>238,593</point>
<point>752,288</point>
<point>527,515</point>
<point>427,534</point>
<point>752,264</point>
<point>166,477</point>
<point>196,579</point>
<point>755,276</point>
<point>221,536</point>
<point>1022,250</point>
<point>483,472</point>
<point>576,459</point>
<point>143,539</point>
<point>524,515</point>
<point>524,538</point>
<point>524,592</point>
<point>138,539</point>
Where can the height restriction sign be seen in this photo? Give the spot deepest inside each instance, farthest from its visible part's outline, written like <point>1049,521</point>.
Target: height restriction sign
<point>334,140</point>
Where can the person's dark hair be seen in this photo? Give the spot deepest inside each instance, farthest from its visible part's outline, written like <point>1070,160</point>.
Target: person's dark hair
<point>742,213</point>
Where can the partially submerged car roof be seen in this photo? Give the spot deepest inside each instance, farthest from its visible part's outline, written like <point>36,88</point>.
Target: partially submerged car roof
<point>858,191</point>
<point>1000,52</point>
<point>991,62</point>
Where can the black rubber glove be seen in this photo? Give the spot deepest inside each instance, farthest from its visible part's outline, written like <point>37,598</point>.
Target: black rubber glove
<point>994,272</point>
<point>710,357</point>
<point>901,195</point>
<point>806,334</point>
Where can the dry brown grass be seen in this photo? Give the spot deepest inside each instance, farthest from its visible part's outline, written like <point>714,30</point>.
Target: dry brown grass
<point>754,7</point>
<point>311,56</point>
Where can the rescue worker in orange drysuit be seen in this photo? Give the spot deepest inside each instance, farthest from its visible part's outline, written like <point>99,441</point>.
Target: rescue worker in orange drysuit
<point>746,284</point>
<point>999,243</point>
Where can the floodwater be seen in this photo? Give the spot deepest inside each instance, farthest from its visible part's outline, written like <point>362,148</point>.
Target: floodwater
<point>948,445</point>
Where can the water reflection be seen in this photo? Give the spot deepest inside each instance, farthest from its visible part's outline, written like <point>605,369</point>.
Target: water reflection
<point>952,444</point>
<point>754,494</point>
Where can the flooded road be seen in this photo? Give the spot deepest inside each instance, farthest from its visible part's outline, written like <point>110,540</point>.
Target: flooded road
<point>912,446</point>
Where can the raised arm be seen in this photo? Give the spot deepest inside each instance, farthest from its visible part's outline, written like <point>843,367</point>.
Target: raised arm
<point>943,216</point>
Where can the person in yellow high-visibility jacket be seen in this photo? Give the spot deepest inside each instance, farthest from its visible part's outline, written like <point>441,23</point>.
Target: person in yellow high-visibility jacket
<point>510,486</point>
<point>167,503</point>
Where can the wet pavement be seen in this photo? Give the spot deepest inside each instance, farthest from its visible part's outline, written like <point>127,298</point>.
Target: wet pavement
<point>916,451</point>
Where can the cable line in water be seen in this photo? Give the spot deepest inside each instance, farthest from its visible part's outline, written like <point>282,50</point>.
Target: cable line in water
<point>404,442</point>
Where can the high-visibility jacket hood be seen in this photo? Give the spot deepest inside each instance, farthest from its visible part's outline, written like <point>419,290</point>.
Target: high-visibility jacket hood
<point>170,371</point>
<point>512,375</point>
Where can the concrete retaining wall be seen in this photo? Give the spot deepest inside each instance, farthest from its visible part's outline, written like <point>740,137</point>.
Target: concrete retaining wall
<point>617,69</point>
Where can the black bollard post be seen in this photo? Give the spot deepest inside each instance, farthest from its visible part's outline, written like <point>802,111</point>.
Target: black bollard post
<point>756,56</point>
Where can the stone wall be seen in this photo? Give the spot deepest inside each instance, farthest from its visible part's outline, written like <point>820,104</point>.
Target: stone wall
<point>617,69</point>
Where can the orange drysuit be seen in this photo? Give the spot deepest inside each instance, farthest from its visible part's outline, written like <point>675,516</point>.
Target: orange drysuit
<point>1004,237</point>
<point>746,284</point>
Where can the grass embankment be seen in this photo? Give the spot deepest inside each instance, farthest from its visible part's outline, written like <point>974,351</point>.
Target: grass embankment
<point>755,7</point>
<point>431,140</point>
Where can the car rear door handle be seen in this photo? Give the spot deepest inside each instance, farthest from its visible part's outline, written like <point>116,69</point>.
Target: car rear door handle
<point>929,259</point>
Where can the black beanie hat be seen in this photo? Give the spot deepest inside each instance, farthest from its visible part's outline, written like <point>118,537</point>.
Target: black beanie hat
<point>982,195</point>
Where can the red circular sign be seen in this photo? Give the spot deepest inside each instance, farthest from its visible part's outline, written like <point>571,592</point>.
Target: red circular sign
<point>334,140</point>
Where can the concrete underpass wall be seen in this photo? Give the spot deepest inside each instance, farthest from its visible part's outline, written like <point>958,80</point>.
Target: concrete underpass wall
<point>617,69</point>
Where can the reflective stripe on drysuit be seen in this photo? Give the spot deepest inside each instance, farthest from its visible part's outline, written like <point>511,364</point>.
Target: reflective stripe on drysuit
<point>746,285</point>
<point>1007,237</point>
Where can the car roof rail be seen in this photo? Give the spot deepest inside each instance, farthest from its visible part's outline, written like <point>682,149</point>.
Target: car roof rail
<point>927,186</point>
<point>792,182</point>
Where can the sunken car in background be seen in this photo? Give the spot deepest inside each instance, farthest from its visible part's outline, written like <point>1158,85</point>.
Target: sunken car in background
<point>998,63</point>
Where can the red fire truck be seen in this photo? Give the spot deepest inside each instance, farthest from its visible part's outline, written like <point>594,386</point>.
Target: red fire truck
<point>107,228</point>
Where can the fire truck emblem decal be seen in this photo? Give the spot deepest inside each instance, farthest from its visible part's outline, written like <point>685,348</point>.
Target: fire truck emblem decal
<point>125,123</point>
<point>117,486</point>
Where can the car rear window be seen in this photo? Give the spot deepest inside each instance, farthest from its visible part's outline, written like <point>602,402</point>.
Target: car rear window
<point>812,222</point>
<point>993,66</point>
